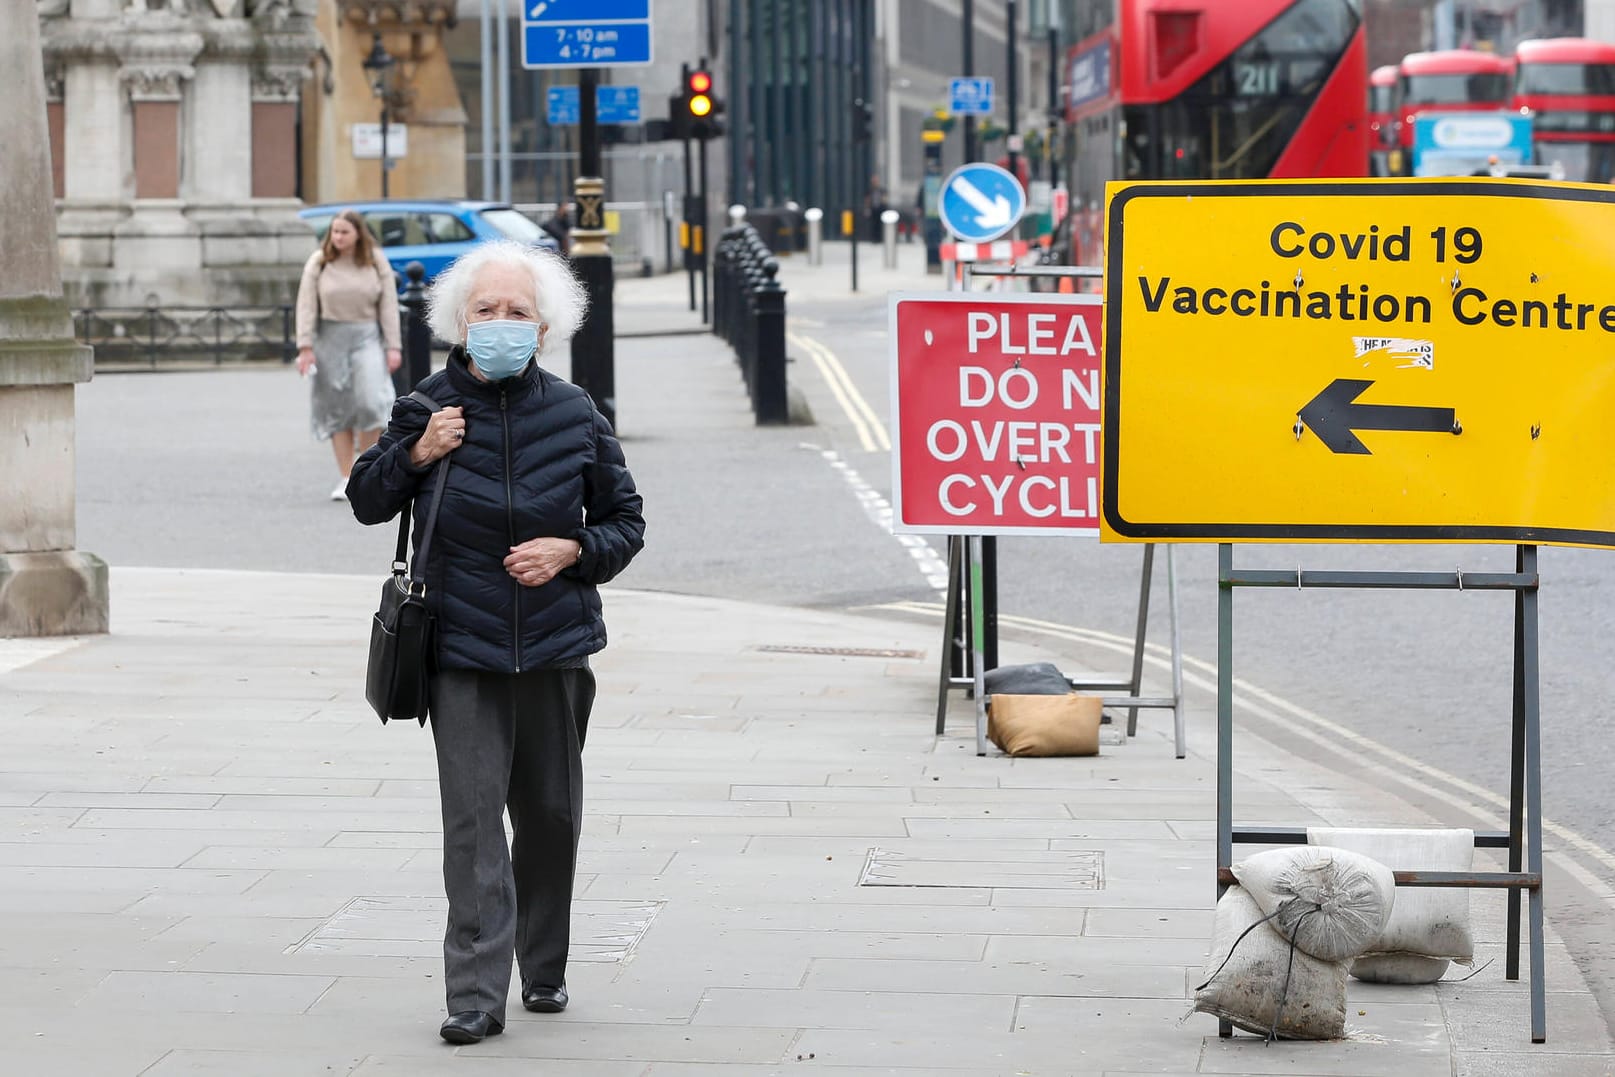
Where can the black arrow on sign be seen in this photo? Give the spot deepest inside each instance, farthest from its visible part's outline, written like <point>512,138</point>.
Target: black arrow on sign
<point>1332,416</point>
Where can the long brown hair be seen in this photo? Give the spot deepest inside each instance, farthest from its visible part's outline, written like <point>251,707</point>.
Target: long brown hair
<point>364,250</point>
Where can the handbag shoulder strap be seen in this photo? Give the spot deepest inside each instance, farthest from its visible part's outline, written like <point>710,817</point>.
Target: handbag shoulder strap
<point>400,559</point>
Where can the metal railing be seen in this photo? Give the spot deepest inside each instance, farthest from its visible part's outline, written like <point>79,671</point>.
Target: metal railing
<point>748,311</point>
<point>155,334</point>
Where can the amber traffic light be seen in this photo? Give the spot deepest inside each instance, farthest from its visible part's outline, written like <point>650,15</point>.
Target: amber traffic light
<point>698,94</point>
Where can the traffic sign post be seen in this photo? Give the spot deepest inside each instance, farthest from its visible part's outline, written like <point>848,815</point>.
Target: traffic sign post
<point>585,33</point>
<point>981,202</point>
<point>970,96</point>
<point>1373,363</point>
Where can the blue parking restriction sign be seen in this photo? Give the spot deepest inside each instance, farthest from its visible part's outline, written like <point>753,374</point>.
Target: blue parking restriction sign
<point>980,202</point>
<point>613,105</point>
<point>585,33</point>
<point>561,106</point>
<point>970,96</point>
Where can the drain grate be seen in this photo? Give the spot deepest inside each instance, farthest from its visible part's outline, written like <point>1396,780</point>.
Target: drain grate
<point>1030,869</point>
<point>602,931</point>
<point>840,652</point>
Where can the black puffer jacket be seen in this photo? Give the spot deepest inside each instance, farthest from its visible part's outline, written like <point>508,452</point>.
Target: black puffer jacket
<point>538,460</point>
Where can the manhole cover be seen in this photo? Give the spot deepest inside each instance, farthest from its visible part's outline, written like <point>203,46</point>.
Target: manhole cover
<point>602,931</point>
<point>840,652</point>
<point>1030,869</point>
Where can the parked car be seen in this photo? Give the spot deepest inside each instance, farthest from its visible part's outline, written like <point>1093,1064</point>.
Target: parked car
<point>434,232</point>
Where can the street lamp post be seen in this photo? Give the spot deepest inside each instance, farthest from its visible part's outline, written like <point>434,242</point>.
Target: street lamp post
<point>378,65</point>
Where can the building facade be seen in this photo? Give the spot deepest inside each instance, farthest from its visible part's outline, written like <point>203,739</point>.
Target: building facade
<point>343,101</point>
<point>174,153</point>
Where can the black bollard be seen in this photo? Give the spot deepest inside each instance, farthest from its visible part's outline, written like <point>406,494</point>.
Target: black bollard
<point>417,340</point>
<point>768,382</point>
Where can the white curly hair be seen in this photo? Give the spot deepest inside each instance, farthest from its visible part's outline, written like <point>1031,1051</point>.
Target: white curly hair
<point>562,301</point>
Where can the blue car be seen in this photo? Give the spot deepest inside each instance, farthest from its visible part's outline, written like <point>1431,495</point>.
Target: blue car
<point>434,232</point>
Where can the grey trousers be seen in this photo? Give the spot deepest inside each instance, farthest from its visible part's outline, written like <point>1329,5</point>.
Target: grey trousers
<point>508,741</point>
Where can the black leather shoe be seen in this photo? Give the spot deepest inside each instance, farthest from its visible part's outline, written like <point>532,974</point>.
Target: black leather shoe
<point>544,999</point>
<point>469,1026</point>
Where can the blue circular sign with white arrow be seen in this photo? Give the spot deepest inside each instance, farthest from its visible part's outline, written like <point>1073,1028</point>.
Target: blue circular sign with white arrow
<point>980,202</point>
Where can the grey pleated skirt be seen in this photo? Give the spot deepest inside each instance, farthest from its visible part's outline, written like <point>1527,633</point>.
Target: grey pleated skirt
<point>351,387</point>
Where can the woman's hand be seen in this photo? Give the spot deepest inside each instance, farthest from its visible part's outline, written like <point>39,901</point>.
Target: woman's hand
<point>445,431</point>
<point>305,360</point>
<point>537,561</point>
<point>395,359</point>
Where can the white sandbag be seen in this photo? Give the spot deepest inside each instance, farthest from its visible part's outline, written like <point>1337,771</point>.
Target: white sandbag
<point>1428,923</point>
<point>1399,968</point>
<point>1268,986</point>
<point>1332,902</point>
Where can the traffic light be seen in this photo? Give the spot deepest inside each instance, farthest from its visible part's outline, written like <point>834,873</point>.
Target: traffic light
<point>694,112</point>
<point>863,115</point>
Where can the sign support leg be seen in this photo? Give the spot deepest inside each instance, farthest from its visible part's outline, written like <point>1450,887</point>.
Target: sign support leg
<point>989,599</point>
<point>977,639</point>
<point>1178,731</point>
<point>950,627</point>
<point>1516,795</point>
<point>1225,726</point>
<point>1136,679</point>
<point>1533,793</point>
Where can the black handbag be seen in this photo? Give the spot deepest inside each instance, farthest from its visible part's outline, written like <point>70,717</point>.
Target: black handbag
<point>402,633</point>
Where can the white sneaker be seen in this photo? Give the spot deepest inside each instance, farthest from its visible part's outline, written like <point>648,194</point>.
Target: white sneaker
<point>341,491</point>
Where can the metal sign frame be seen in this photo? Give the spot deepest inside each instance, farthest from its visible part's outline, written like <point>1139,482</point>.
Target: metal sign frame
<point>972,602</point>
<point>1523,839</point>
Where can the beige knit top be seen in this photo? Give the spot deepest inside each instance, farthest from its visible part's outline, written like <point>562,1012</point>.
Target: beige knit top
<point>348,292</point>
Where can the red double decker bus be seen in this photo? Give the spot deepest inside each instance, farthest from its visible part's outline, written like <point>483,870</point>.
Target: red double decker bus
<point>1381,119</point>
<point>1568,86</point>
<point>1453,80</point>
<point>1210,89</point>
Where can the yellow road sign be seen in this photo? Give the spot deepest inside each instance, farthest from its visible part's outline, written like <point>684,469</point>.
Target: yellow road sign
<point>1360,361</point>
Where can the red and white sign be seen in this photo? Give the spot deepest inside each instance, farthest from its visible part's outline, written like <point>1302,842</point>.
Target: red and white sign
<point>995,414</point>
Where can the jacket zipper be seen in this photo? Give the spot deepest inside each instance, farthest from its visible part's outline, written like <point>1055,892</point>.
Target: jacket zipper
<point>510,529</point>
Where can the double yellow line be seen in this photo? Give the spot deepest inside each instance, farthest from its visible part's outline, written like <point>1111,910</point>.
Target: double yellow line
<point>869,427</point>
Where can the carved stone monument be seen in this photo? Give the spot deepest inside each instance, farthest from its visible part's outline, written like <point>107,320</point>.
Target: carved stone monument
<point>47,587</point>
<point>174,127</point>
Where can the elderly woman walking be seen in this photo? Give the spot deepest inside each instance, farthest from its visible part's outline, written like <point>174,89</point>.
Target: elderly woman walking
<point>538,510</point>
<point>347,311</point>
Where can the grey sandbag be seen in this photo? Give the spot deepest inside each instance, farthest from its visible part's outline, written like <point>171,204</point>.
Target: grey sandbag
<point>1333,902</point>
<point>1030,679</point>
<point>1259,981</point>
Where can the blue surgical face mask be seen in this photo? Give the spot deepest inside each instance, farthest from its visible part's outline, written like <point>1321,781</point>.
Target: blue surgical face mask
<point>501,348</point>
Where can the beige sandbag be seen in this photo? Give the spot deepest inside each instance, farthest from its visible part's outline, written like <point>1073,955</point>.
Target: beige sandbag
<point>1044,725</point>
<point>1260,982</point>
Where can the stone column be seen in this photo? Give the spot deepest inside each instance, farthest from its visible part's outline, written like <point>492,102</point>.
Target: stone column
<point>46,586</point>
<point>219,142</point>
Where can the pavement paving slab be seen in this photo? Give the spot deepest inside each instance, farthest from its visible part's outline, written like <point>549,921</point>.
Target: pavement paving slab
<point>213,860</point>
<point>814,883</point>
